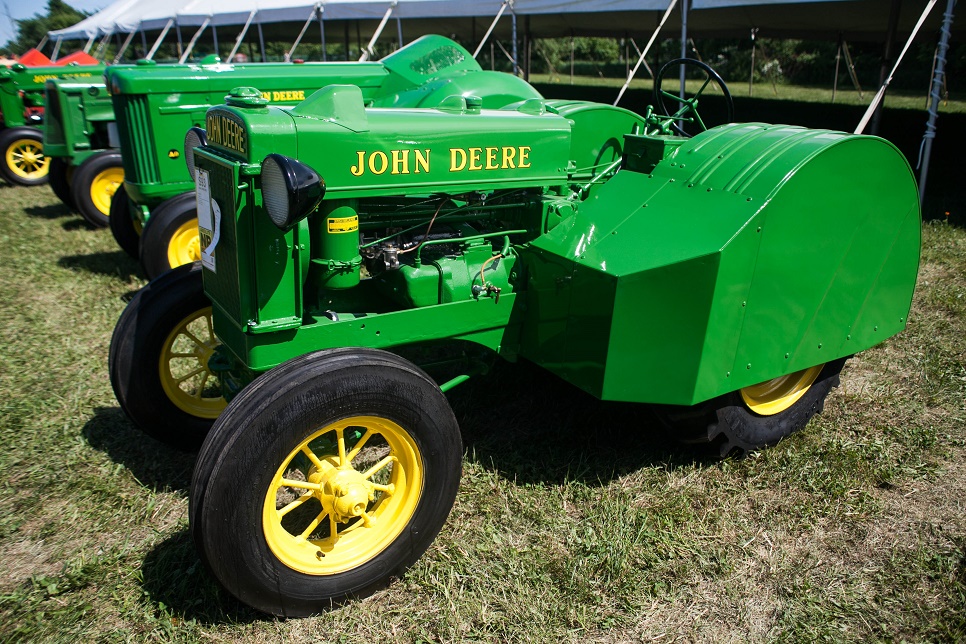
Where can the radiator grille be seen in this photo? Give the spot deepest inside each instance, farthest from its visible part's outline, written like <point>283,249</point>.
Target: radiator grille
<point>53,119</point>
<point>223,286</point>
<point>137,143</point>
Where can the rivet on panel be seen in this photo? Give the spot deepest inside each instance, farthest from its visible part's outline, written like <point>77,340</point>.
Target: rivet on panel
<point>786,356</point>
<point>749,366</point>
<point>875,328</point>
<point>819,345</point>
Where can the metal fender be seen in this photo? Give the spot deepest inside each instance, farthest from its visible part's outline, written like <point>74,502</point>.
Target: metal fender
<point>750,252</point>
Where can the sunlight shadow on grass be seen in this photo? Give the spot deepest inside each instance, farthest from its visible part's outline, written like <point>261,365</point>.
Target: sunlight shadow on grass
<point>153,464</point>
<point>555,433</point>
<point>115,264</point>
<point>177,582</point>
<point>50,211</point>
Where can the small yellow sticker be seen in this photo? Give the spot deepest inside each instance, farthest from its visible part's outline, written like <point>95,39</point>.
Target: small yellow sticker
<point>343,224</point>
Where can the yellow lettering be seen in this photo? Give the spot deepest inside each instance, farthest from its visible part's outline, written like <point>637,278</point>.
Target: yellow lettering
<point>524,153</point>
<point>400,161</point>
<point>383,160</point>
<point>422,161</point>
<point>475,154</point>
<point>360,167</point>
<point>491,163</point>
<point>453,154</point>
<point>508,155</point>
<point>300,95</point>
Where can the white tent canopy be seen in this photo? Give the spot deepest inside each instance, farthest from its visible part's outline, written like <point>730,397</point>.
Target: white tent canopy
<point>804,18</point>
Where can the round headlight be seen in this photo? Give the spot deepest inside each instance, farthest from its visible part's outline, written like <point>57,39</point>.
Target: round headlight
<point>291,190</point>
<point>195,138</point>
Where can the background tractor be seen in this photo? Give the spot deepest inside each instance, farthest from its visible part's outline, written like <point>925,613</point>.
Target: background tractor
<point>22,114</point>
<point>156,104</point>
<point>349,251</point>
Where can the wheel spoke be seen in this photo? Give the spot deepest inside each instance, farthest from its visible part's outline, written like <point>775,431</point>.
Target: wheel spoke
<point>703,87</point>
<point>340,434</point>
<point>359,445</point>
<point>190,375</point>
<point>211,328</point>
<point>378,466</point>
<point>302,485</point>
<point>294,504</point>
<point>388,490</point>
<point>192,336</point>
<point>183,355</point>
<point>201,387</point>
<point>312,457</point>
<point>333,529</point>
<point>673,96</point>
<point>312,526</point>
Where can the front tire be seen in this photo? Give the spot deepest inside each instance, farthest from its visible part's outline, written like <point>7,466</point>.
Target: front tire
<point>59,175</point>
<point>170,237</point>
<point>158,360</point>
<point>324,478</point>
<point>758,416</point>
<point>94,185</point>
<point>24,163</point>
<point>124,228</point>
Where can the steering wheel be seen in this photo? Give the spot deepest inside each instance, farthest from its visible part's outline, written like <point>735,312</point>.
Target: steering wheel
<point>686,111</point>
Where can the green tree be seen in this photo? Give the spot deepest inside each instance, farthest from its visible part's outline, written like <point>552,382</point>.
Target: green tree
<point>30,31</point>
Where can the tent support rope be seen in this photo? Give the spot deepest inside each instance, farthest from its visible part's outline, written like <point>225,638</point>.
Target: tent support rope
<point>367,52</point>
<point>489,31</point>
<point>647,48</point>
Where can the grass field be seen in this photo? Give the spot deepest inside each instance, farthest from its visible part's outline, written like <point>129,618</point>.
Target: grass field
<point>576,521</point>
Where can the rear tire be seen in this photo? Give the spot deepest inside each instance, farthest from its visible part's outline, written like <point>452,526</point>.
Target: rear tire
<point>94,185</point>
<point>59,176</point>
<point>162,336</point>
<point>170,238</point>
<point>123,227</point>
<point>729,423</point>
<point>23,163</point>
<point>307,421</point>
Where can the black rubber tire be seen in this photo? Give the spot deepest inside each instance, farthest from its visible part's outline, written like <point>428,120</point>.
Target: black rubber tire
<point>265,423</point>
<point>734,430</point>
<point>137,346</point>
<point>83,186</point>
<point>59,175</point>
<point>158,233</point>
<point>121,223</point>
<point>7,138</point>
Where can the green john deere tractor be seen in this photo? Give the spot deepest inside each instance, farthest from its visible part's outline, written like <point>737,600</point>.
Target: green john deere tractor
<point>156,104</point>
<point>81,141</point>
<point>723,277</point>
<point>22,114</point>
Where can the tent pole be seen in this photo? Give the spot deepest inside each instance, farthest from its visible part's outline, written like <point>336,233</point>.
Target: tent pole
<point>489,31</point>
<point>144,42</point>
<point>43,41</point>
<point>261,42</point>
<point>194,39</point>
<point>127,43</point>
<point>90,43</point>
<point>886,59</point>
<point>527,48</point>
<point>214,40</point>
<point>492,57</point>
<point>516,66</point>
<point>572,48</point>
<point>321,13</point>
<point>291,52</point>
<point>937,82</point>
<point>53,57</point>
<point>647,48</point>
<point>101,46</point>
<point>399,31</point>
<point>684,40</point>
<point>367,52</point>
<point>647,67</point>
<point>177,30</point>
<point>751,73</point>
<point>241,36</point>
<point>838,58</point>
<point>881,93</point>
<point>157,43</point>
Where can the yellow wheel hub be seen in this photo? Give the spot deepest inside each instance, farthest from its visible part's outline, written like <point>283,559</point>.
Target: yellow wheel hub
<point>343,495</point>
<point>776,395</point>
<point>25,158</point>
<point>105,184</point>
<point>185,376</point>
<point>184,246</point>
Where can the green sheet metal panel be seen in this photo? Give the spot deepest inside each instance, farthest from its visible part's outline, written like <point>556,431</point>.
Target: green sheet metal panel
<point>749,244</point>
